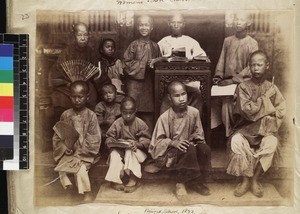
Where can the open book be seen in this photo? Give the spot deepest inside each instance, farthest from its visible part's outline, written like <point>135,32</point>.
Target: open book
<point>64,165</point>
<point>227,90</point>
<point>120,144</point>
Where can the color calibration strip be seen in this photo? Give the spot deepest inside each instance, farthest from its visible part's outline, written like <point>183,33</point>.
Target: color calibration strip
<point>18,91</point>
<point>6,102</point>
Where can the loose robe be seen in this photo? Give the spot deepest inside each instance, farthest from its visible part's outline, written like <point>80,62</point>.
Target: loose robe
<point>122,159</point>
<point>233,61</point>
<point>192,47</point>
<point>86,148</point>
<point>140,76</point>
<point>232,64</point>
<point>113,68</point>
<point>258,118</point>
<point>107,114</point>
<point>170,127</point>
<point>59,80</point>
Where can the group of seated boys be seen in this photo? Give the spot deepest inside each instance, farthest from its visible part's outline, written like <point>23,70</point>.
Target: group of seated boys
<point>177,141</point>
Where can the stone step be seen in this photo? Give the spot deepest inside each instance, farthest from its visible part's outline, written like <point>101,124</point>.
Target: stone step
<point>158,192</point>
<point>45,168</point>
<point>280,177</point>
<point>161,193</point>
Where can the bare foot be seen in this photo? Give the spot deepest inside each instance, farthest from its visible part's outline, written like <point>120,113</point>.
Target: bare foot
<point>180,191</point>
<point>201,189</point>
<point>132,185</point>
<point>118,187</point>
<point>88,197</point>
<point>125,178</point>
<point>132,181</point>
<point>257,189</point>
<point>242,188</point>
<point>130,189</point>
<point>69,187</point>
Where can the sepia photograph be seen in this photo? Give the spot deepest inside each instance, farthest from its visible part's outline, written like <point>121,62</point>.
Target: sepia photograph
<point>164,107</point>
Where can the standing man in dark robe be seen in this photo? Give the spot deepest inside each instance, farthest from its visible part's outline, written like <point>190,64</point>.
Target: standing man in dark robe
<point>77,50</point>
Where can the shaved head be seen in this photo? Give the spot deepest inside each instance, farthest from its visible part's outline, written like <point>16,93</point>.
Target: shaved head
<point>176,17</point>
<point>243,15</point>
<point>81,34</point>
<point>80,27</point>
<point>145,18</point>
<point>172,87</point>
<point>128,103</point>
<point>82,84</point>
<point>259,52</point>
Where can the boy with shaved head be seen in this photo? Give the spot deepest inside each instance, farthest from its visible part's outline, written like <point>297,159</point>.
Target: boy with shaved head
<point>259,111</point>
<point>128,139</point>
<point>178,143</point>
<point>85,150</point>
<point>140,76</point>
<point>177,40</point>
<point>192,49</point>
<point>232,68</point>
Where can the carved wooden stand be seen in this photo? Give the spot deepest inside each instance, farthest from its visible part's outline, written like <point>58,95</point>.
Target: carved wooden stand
<point>166,72</point>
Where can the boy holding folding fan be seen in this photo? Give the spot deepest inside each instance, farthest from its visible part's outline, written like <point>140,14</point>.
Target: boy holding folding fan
<point>76,141</point>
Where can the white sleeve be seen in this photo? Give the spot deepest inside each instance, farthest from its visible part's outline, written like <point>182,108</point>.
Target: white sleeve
<point>197,50</point>
<point>165,47</point>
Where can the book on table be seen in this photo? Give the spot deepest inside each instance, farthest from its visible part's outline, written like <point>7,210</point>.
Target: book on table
<point>228,90</point>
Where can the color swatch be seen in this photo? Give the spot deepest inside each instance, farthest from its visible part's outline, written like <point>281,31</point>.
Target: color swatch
<point>6,100</point>
<point>14,101</point>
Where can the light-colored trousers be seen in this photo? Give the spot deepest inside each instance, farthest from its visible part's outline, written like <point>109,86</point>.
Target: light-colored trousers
<point>82,180</point>
<point>132,162</point>
<point>222,112</point>
<point>244,158</point>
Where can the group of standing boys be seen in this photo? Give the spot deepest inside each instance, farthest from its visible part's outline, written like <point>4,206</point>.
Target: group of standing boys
<point>122,119</point>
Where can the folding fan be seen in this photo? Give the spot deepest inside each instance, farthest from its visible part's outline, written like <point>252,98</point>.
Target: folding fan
<point>79,69</point>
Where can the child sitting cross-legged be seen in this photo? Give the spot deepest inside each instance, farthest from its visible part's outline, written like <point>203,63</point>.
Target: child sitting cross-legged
<point>259,111</point>
<point>128,139</point>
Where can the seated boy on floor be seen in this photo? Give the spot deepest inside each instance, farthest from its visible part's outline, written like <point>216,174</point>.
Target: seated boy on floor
<point>178,143</point>
<point>85,150</point>
<point>128,139</point>
<point>108,110</point>
<point>259,111</point>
